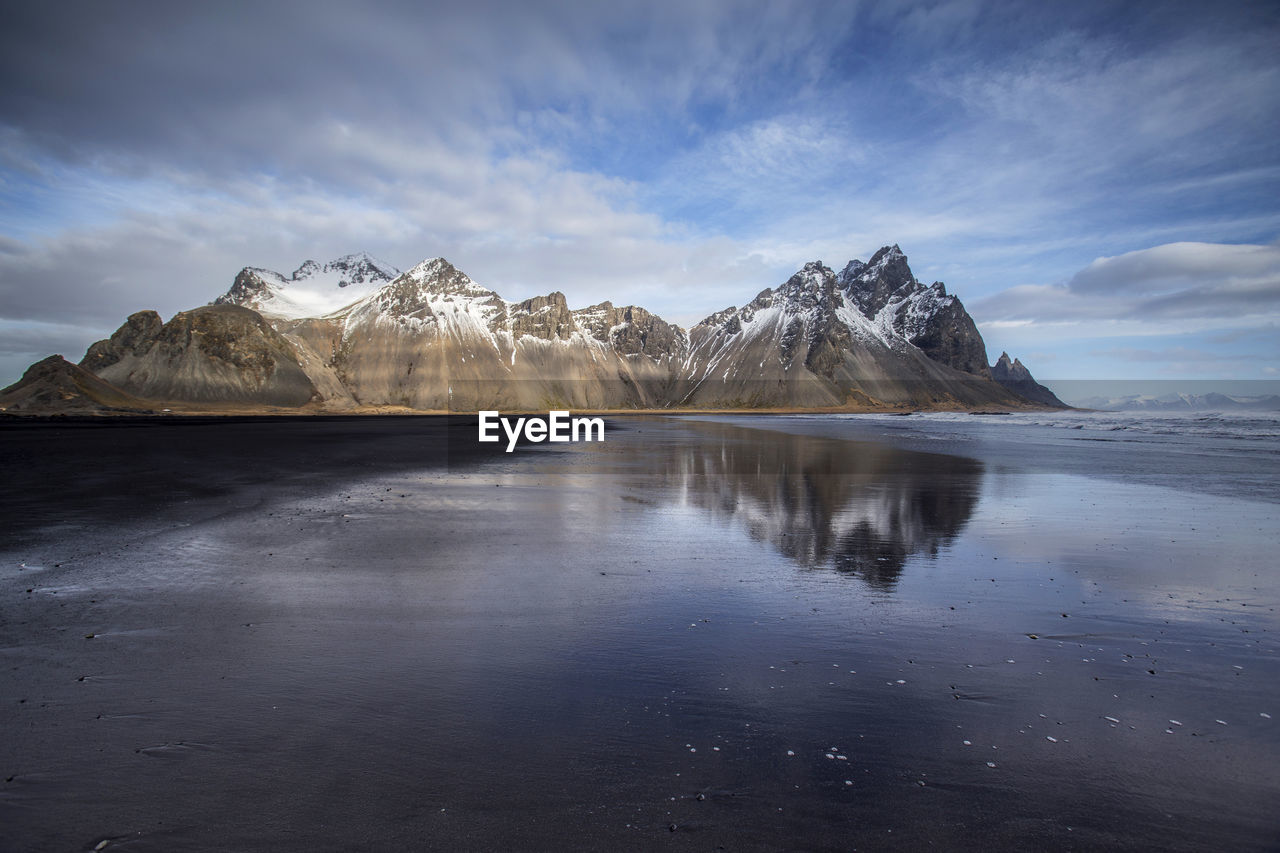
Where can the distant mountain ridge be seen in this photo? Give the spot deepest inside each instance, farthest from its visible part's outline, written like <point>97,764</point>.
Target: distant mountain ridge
<point>356,333</point>
<point>1210,402</point>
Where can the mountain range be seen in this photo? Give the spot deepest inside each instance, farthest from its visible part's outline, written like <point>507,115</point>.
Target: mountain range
<point>1211,402</point>
<point>357,334</point>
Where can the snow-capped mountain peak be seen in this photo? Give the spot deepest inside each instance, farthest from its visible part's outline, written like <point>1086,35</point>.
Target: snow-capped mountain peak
<point>359,268</point>
<point>874,284</point>
<point>813,284</point>
<point>439,276</point>
<point>886,292</point>
<point>307,270</point>
<point>313,290</point>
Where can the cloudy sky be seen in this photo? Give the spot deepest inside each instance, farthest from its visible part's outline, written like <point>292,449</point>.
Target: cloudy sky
<point>1100,183</point>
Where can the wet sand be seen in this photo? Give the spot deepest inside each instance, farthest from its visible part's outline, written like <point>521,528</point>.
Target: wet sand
<point>369,634</point>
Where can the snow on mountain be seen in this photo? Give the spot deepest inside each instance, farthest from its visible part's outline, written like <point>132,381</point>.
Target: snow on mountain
<point>1183,402</point>
<point>871,335</point>
<point>313,290</point>
<point>926,316</point>
<point>430,338</point>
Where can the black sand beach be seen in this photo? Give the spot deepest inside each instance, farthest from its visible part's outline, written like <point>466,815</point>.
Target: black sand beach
<point>370,634</point>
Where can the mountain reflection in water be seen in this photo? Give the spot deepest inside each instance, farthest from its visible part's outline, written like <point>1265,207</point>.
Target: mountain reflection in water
<point>856,507</point>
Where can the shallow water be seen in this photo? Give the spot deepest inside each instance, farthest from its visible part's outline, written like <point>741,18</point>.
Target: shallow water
<point>693,635</point>
<point>1228,454</point>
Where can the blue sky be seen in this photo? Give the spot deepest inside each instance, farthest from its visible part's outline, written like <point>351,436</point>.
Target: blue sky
<point>1097,182</point>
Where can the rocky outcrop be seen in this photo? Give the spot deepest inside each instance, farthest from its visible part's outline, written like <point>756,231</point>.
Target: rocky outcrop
<point>134,338</point>
<point>1014,376</point>
<point>56,386</point>
<point>630,330</point>
<point>220,354</point>
<point>544,317</point>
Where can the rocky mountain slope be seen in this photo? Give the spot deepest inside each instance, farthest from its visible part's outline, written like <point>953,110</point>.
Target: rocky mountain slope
<point>218,354</point>
<point>886,293</point>
<point>822,339</point>
<point>357,333</point>
<point>434,339</point>
<point>56,386</point>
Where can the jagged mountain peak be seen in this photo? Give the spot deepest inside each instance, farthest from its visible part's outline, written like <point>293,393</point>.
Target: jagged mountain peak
<point>437,275</point>
<point>851,270</point>
<point>874,284</point>
<point>431,289</point>
<point>813,284</point>
<point>1013,374</point>
<point>312,290</point>
<point>429,268</point>
<point>886,255</point>
<point>356,268</point>
<point>600,308</point>
<point>307,270</point>
<point>886,291</point>
<point>631,330</point>
<point>814,275</point>
<point>361,267</point>
<point>1009,369</point>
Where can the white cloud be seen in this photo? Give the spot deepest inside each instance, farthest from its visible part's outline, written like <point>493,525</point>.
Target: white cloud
<point>1189,286</point>
<point>1177,266</point>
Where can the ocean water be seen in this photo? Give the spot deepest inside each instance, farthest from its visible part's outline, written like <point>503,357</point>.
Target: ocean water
<point>1229,454</point>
